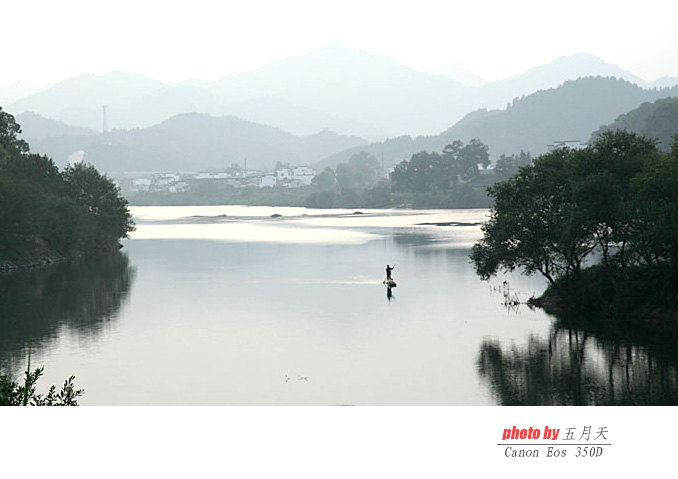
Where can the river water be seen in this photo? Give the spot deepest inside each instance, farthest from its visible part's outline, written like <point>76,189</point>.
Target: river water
<point>234,305</point>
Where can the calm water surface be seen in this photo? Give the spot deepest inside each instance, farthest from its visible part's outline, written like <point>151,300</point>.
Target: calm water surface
<point>229,305</point>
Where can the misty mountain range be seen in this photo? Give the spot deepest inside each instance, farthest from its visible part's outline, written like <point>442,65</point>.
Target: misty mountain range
<point>288,111</point>
<point>335,87</point>
<point>570,112</point>
<point>186,142</point>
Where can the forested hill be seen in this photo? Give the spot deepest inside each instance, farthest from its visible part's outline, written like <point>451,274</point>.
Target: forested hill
<point>41,128</point>
<point>658,120</point>
<point>194,142</point>
<point>47,213</point>
<point>570,112</point>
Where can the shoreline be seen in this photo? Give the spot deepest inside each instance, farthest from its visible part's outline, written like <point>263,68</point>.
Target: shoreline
<point>9,266</point>
<point>648,318</point>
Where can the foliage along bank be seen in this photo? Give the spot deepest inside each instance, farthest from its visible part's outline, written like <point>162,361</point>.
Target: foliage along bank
<point>455,178</point>
<point>600,224</point>
<point>47,214</point>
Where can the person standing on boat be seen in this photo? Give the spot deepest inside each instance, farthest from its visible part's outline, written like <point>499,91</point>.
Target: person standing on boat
<point>388,271</point>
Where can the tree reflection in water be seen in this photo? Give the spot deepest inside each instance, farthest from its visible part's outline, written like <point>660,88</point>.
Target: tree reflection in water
<point>575,367</point>
<point>82,296</point>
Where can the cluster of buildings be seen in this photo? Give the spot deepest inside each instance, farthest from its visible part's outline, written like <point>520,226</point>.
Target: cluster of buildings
<point>293,177</point>
<point>282,177</point>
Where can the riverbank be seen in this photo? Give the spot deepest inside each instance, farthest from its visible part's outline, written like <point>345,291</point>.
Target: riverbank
<point>644,299</point>
<point>9,266</point>
<point>376,196</point>
<point>49,259</point>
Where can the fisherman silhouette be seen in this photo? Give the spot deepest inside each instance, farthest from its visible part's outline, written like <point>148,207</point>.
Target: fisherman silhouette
<point>389,281</point>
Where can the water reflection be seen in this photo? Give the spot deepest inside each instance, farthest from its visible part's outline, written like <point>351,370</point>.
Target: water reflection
<point>576,367</point>
<point>82,296</point>
<point>435,239</point>
<point>297,302</point>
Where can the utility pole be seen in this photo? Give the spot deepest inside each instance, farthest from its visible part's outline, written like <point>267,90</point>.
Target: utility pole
<point>105,126</point>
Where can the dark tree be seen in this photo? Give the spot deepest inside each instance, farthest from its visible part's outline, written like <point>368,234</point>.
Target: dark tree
<point>43,211</point>
<point>106,210</point>
<point>601,223</point>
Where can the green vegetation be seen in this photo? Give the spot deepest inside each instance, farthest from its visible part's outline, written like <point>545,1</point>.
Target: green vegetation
<point>46,212</point>
<point>451,179</point>
<point>600,224</point>
<point>359,183</point>
<point>213,192</point>
<point>15,394</point>
<point>658,120</point>
<point>455,178</point>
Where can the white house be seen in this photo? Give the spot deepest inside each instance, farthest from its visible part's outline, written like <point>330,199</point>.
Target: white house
<point>166,179</point>
<point>178,187</point>
<point>283,174</point>
<point>303,174</point>
<point>141,184</point>
<point>203,176</point>
<point>267,181</point>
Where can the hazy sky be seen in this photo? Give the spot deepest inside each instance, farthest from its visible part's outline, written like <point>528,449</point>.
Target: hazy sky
<point>45,41</point>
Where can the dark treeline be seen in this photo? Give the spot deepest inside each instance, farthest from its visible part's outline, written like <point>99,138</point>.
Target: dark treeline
<point>600,223</point>
<point>455,178</point>
<point>361,182</point>
<point>44,211</point>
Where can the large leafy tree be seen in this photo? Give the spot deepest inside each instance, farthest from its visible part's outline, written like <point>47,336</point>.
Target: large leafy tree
<point>325,180</point>
<point>366,169</point>
<point>105,210</point>
<point>45,211</point>
<point>10,143</point>
<point>655,190</point>
<point>570,204</point>
<point>508,165</point>
<point>423,173</point>
<point>535,223</point>
<point>601,182</point>
<point>437,173</point>
<point>467,158</point>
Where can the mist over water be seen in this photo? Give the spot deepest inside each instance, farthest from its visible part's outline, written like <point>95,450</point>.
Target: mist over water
<point>232,305</point>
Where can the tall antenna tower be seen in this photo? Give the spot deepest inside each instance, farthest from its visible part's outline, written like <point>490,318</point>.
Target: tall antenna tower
<point>105,128</point>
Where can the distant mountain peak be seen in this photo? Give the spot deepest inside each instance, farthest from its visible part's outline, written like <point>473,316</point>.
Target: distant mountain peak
<point>580,55</point>
<point>460,73</point>
<point>665,82</point>
<point>580,64</point>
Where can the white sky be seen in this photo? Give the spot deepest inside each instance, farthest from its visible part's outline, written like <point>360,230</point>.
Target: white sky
<point>46,41</point>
